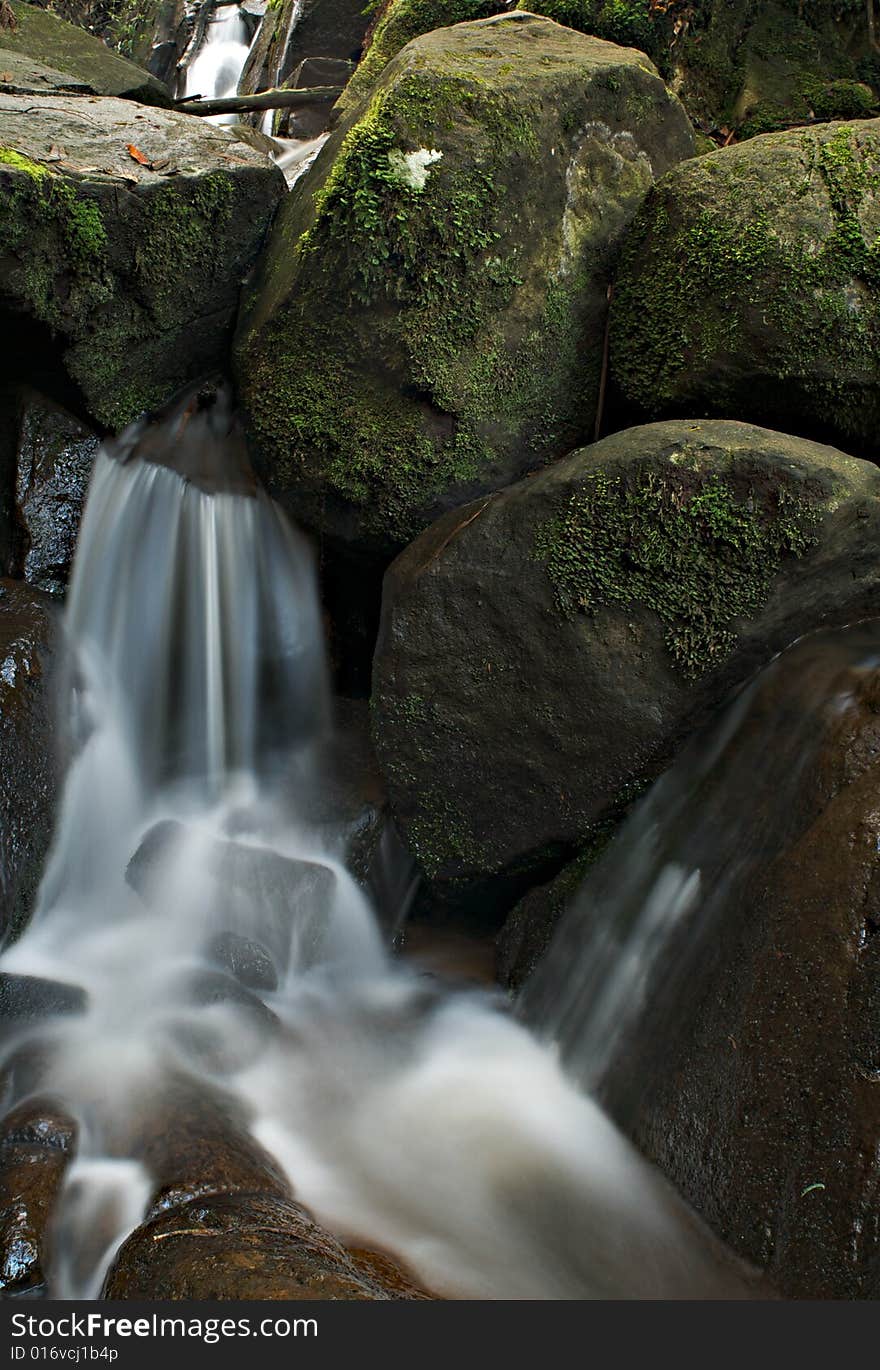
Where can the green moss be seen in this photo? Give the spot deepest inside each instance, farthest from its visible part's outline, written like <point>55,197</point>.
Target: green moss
<point>631,23</point>
<point>697,547</point>
<point>694,277</point>
<point>9,157</point>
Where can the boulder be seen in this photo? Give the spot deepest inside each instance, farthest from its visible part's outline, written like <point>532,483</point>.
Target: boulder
<point>752,1073</point>
<point>152,33</point>
<point>29,764</point>
<point>749,285</point>
<point>122,266</point>
<point>396,24</point>
<point>294,30</point>
<point>36,1142</point>
<point>586,620</point>
<point>45,38</point>
<point>427,323</point>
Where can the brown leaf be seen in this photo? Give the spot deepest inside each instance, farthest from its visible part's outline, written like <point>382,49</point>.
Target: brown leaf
<point>138,156</point>
<point>6,77</point>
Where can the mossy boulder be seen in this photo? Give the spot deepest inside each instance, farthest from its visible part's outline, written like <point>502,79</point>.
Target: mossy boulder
<point>427,323</point>
<point>397,23</point>
<point>123,271</point>
<point>750,285</point>
<point>29,763</point>
<point>44,37</point>
<point>586,619</point>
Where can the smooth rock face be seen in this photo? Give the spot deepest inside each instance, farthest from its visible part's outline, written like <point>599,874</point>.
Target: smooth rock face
<point>427,322</point>
<point>55,457</point>
<point>749,284</point>
<point>129,270</point>
<point>545,649</point>
<point>42,36</point>
<point>755,1082</point>
<point>28,761</point>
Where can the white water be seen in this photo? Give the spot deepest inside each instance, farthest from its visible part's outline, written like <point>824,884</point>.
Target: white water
<point>216,69</point>
<point>407,1115</point>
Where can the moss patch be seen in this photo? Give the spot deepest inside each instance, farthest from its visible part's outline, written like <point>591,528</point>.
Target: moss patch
<point>698,548</point>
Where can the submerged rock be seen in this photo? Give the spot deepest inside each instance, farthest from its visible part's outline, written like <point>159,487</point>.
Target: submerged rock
<point>29,765</point>
<point>427,323</point>
<point>123,267</point>
<point>753,1077</point>
<point>45,38</point>
<point>586,620</point>
<point>749,285</point>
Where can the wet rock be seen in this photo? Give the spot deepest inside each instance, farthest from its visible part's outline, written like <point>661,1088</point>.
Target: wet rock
<point>22,75</point>
<point>29,763</point>
<point>125,269</point>
<point>49,40</point>
<point>773,311</point>
<point>587,619</point>
<point>753,1077</point>
<point>250,963</point>
<point>55,457</point>
<point>246,1247</point>
<point>311,120</point>
<point>258,892</point>
<point>36,1143</point>
<point>435,289</point>
<point>26,997</point>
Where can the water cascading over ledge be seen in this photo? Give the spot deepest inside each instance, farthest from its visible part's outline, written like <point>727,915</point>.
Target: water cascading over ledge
<point>220,968</point>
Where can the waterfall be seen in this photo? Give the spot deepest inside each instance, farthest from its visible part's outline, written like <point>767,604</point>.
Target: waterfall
<point>216,69</point>
<point>406,1113</point>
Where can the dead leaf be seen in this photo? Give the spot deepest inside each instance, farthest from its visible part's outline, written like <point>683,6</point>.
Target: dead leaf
<point>55,154</point>
<point>138,156</point>
<point>7,17</point>
<point>6,77</point>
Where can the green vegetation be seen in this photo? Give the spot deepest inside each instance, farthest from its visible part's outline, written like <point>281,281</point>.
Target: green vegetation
<point>698,548</point>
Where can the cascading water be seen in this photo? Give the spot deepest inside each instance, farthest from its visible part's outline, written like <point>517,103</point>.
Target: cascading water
<point>420,1118</point>
<point>216,69</point>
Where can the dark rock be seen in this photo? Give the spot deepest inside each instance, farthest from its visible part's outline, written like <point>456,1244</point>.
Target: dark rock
<point>587,619</point>
<point>49,40</point>
<point>247,1247</point>
<point>55,457</point>
<point>310,120</point>
<point>35,1147</point>
<point>26,997</point>
<point>753,1075</point>
<point>772,310</point>
<point>29,765</point>
<point>427,322</point>
<point>298,30</point>
<point>250,963</point>
<point>126,271</point>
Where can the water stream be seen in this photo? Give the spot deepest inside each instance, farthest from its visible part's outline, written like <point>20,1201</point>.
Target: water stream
<point>406,1113</point>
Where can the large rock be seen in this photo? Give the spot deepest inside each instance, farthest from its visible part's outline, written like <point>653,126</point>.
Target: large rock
<point>29,763</point>
<point>294,30</point>
<point>397,23</point>
<point>749,285</point>
<point>587,618</point>
<point>753,1073</point>
<point>44,37</point>
<point>124,269</point>
<point>427,323</point>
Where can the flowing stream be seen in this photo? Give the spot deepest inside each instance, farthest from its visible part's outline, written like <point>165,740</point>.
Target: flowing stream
<point>406,1113</point>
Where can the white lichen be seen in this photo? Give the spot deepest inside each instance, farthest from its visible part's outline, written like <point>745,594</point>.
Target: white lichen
<point>411,168</point>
